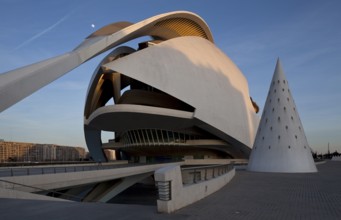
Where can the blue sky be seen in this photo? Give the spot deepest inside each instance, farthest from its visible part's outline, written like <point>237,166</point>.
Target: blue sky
<point>305,34</point>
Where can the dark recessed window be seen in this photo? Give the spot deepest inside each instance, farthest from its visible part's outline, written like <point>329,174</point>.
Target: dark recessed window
<point>286,127</point>
<point>278,81</point>
<point>270,100</point>
<point>278,99</point>
<point>273,109</point>
<point>292,118</point>
<point>278,118</point>
<point>263,137</point>
<point>305,147</point>
<point>289,146</point>
<point>271,128</point>
<point>296,136</point>
<point>283,89</point>
<point>294,109</point>
<point>275,90</point>
<point>288,99</point>
<point>273,82</point>
<point>284,81</point>
<point>269,146</point>
<point>299,127</point>
<point>285,108</point>
<point>279,137</point>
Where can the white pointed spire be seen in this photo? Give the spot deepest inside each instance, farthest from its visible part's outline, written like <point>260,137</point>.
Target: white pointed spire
<point>280,144</point>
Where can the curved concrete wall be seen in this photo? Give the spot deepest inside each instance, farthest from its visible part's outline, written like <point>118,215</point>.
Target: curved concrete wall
<point>181,195</point>
<point>186,59</point>
<point>196,72</point>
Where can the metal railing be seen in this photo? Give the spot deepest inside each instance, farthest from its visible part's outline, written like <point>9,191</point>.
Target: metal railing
<point>192,175</point>
<point>25,171</point>
<point>196,174</point>
<point>156,137</point>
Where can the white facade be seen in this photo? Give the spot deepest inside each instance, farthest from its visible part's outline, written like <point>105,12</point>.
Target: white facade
<point>190,69</point>
<point>281,144</point>
<point>180,62</point>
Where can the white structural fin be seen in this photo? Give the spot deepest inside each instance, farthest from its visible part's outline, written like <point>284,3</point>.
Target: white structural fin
<point>281,144</point>
<point>17,84</point>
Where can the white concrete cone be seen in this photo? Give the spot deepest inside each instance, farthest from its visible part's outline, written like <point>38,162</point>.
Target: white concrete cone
<point>280,144</point>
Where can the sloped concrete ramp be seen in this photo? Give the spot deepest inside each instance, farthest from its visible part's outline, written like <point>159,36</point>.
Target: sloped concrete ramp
<point>248,196</point>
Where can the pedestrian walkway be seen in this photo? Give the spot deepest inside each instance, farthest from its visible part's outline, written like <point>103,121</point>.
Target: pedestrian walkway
<point>275,196</point>
<point>248,196</point>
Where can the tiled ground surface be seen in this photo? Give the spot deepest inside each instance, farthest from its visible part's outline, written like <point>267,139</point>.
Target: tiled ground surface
<point>248,196</point>
<point>275,196</point>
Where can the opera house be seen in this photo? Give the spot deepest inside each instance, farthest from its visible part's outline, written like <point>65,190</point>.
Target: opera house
<point>171,97</point>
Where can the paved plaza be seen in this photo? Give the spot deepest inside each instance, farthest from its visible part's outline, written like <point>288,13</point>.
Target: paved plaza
<point>248,196</point>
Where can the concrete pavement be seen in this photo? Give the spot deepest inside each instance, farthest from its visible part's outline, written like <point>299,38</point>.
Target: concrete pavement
<point>248,196</point>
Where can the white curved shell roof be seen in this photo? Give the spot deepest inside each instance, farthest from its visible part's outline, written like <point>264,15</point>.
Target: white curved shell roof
<point>186,65</point>
<point>33,77</point>
<point>196,72</point>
